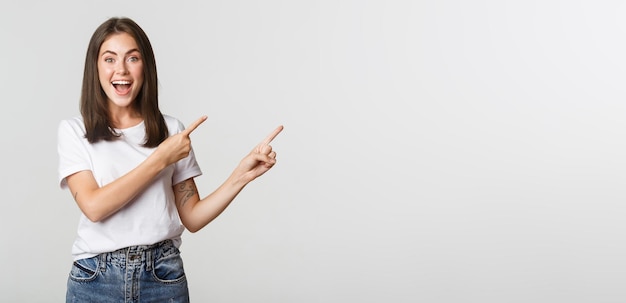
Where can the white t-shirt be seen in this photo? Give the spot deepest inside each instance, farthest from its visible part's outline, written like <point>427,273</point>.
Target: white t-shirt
<point>151,216</point>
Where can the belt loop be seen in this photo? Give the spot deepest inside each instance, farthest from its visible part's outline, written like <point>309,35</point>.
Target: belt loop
<point>149,256</point>
<point>103,262</point>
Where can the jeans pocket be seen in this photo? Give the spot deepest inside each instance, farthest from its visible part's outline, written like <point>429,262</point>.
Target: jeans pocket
<point>168,268</point>
<point>85,270</point>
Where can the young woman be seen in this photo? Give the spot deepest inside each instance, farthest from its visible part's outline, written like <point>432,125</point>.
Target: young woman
<point>131,171</point>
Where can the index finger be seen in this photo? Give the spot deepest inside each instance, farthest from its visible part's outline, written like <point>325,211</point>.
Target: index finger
<point>273,135</point>
<point>193,126</point>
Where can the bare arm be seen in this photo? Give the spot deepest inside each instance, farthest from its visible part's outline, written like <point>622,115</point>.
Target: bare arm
<point>97,203</point>
<point>196,213</point>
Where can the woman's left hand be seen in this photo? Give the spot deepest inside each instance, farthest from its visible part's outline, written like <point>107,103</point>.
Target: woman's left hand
<point>260,159</point>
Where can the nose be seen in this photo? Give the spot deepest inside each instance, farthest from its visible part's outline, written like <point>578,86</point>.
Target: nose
<point>121,68</point>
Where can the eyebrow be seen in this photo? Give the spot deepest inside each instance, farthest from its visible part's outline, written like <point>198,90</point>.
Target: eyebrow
<point>114,53</point>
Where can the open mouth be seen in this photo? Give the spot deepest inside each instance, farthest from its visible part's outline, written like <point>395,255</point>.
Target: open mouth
<point>122,87</point>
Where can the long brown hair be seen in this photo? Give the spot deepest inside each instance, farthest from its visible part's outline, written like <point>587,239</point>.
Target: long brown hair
<point>93,100</point>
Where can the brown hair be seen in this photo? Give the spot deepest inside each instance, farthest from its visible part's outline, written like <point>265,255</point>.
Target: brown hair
<point>93,100</point>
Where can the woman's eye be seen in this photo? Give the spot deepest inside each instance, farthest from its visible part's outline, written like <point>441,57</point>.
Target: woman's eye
<point>108,60</point>
<point>133,59</point>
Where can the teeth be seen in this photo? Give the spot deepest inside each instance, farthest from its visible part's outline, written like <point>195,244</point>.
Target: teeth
<point>120,82</point>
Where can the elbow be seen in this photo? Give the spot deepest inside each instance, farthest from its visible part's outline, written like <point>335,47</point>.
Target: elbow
<point>193,229</point>
<point>93,215</point>
<point>95,218</point>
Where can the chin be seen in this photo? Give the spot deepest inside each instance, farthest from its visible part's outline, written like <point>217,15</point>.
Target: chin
<point>121,102</point>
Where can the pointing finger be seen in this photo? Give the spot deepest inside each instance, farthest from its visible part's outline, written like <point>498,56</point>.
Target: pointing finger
<point>273,135</point>
<point>194,125</point>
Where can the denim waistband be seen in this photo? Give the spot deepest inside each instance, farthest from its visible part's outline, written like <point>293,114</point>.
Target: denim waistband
<point>134,255</point>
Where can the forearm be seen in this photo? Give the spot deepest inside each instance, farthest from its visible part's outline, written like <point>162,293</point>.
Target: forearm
<point>196,213</point>
<point>202,212</point>
<point>98,203</point>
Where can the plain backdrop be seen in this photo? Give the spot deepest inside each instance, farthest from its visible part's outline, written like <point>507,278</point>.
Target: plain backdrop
<point>433,151</point>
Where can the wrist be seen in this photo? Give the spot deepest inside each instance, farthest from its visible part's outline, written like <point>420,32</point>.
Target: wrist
<point>238,179</point>
<point>156,162</point>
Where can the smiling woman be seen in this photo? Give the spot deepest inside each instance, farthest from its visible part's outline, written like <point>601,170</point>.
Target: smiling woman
<point>120,70</point>
<point>120,50</point>
<point>131,171</point>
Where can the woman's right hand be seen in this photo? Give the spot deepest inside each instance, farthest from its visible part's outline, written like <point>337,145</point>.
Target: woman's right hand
<point>178,146</point>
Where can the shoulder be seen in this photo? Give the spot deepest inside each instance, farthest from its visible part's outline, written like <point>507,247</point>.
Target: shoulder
<point>72,124</point>
<point>173,124</point>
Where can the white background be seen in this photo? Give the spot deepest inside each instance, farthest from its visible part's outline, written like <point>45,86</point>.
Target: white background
<point>433,151</point>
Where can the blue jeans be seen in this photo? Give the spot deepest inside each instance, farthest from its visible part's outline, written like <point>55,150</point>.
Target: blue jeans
<point>147,273</point>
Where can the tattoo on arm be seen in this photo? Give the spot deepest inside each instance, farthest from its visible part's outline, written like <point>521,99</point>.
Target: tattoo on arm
<point>188,190</point>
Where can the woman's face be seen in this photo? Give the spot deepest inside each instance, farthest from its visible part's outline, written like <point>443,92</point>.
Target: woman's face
<point>120,69</point>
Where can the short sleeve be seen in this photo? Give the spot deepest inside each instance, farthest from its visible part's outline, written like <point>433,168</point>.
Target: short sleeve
<point>187,167</point>
<point>72,152</point>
